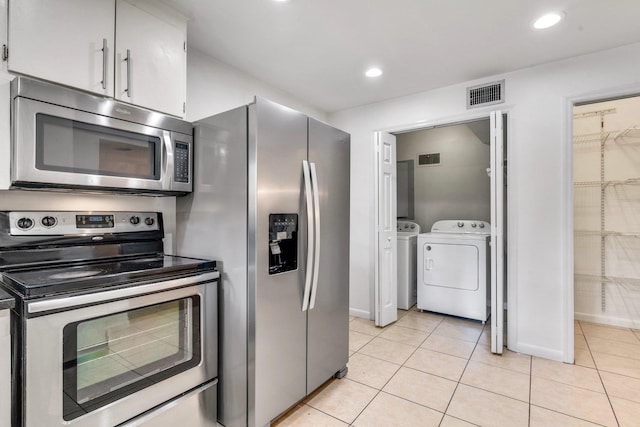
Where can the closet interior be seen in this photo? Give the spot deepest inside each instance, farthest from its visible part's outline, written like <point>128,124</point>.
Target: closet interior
<point>606,173</point>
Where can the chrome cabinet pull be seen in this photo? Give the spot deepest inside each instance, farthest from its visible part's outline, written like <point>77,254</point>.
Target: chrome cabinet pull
<point>128,61</point>
<point>104,63</point>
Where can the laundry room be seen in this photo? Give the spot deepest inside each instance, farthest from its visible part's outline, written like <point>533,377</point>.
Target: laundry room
<point>444,212</point>
<point>448,166</point>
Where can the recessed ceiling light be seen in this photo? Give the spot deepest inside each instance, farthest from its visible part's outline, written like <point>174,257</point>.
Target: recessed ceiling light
<point>546,21</point>
<point>373,72</point>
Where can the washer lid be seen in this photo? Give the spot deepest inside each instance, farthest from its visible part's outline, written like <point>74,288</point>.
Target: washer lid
<point>461,226</point>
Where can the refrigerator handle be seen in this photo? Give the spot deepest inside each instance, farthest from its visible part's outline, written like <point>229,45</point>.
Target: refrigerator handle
<point>316,253</point>
<point>310,242</point>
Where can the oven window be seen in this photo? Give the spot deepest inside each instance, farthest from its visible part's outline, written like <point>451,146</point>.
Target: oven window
<point>69,146</point>
<point>107,358</point>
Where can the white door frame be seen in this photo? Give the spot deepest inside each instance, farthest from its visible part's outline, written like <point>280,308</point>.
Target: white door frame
<point>480,114</point>
<point>497,230</point>
<point>568,295</point>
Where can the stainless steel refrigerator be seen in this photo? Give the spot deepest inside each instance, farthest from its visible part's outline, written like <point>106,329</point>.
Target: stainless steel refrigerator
<point>271,202</point>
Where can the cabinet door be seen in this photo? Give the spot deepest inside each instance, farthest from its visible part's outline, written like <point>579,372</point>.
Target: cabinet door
<point>62,41</point>
<point>151,60</point>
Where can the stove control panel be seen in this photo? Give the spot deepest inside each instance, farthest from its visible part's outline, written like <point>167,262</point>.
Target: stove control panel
<point>39,223</point>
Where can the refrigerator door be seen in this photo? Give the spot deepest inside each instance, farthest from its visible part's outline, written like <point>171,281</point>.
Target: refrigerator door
<point>328,321</point>
<point>212,223</point>
<point>277,324</point>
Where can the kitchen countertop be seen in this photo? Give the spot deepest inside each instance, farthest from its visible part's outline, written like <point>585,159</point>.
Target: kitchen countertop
<point>6,300</point>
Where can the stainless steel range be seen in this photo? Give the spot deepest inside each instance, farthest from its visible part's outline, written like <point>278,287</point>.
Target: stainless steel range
<point>107,331</point>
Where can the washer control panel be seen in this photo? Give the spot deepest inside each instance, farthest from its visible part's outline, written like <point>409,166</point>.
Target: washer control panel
<point>38,223</point>
<point>408,227</point>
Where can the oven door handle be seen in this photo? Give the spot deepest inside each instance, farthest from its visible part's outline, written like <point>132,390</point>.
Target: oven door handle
<point>133,291</point>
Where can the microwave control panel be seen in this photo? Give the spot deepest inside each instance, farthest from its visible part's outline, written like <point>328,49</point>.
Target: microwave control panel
<point>181,162</point>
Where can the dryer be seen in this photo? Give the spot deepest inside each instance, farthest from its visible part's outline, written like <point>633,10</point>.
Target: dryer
<point>407,234</point>
<point>453,269</point>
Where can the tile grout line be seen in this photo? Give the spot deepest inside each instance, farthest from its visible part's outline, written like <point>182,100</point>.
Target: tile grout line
<point>530,388</point>
<point>606,393</point>
<point>462,374</point>
<point>394,374</point>
<point>567,415</point>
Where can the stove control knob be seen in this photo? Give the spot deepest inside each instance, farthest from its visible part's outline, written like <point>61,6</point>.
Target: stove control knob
<point>460,224</point>
<point>481,225</point>
<point>134,220</point>
<point>49,221</point>
<point>413,226</point>
<point>25,223</point>
<point>149,221</point>
<point>474,225</point>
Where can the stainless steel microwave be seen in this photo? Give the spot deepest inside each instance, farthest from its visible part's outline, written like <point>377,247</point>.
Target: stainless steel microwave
<point>64,138</point>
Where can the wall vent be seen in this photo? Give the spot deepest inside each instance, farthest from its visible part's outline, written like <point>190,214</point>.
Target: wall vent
<point>485,94</point>
<point>431,159</point>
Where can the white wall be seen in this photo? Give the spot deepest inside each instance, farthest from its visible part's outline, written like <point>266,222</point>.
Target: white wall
<point>214,87</point>
<point>457,188</point>
<point>537,101</point>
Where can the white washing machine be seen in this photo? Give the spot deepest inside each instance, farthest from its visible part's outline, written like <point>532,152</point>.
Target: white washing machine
<point>407,243</point>
<point>454,271</point>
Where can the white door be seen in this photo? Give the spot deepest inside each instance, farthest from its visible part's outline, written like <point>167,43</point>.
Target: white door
<point>497,233</point>
<point>386,294</point>
<point>69,42</point>
<point>151,59</point>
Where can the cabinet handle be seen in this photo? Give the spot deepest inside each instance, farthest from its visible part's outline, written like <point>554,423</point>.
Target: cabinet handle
<point>104,63</point>
<point>128,60</point>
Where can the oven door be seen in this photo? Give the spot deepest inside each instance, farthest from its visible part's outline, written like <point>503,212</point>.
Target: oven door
<point>110,356</point>
<point>63,147</point>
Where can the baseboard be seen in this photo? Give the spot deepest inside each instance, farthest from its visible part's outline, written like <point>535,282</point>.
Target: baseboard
<point>359,313</point>
<point>607,320</point>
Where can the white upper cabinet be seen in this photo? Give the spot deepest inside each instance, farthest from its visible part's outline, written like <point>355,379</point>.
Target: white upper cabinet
<point>134,50</point>
<point>151,57</point>
<point>65,41</point>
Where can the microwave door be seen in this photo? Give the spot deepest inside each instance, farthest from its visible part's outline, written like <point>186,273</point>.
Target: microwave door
<point>61,147</point>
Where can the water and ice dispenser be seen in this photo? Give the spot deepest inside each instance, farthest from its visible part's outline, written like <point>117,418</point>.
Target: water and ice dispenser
<point>283,243</point>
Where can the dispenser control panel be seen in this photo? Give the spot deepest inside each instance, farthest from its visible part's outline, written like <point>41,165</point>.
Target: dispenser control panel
<point>283,242</point>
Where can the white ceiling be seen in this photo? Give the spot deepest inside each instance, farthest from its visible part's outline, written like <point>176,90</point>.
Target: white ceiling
<point>318,50</point>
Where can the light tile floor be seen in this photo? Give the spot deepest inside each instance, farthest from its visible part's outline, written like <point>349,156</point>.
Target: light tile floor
<point>433,370</point>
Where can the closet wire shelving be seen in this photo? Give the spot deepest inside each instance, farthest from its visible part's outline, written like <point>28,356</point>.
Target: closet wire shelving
<point>605,138</point>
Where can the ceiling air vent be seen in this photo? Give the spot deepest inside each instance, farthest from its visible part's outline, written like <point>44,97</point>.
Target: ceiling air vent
<point>431,159</point>
<point>486,94</point>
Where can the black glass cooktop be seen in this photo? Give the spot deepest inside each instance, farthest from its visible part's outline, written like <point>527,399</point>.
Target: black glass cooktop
<point>40,280</point>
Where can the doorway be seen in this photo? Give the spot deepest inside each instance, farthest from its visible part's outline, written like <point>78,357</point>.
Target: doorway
<point>448,165</point>
<point>606,228</point>
<point>449,168</point>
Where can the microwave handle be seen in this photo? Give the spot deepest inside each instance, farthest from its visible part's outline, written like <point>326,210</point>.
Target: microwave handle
<point>167,153</point>
<point>128,61</point>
